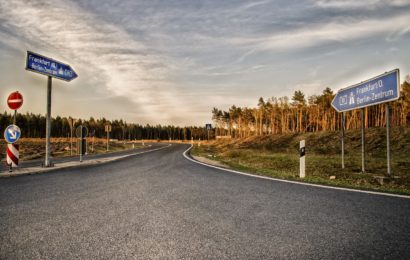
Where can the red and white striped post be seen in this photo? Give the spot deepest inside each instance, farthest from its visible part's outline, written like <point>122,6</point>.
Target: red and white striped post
<point>12,155</point>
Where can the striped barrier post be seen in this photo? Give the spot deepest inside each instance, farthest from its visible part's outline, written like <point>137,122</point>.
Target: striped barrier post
<point>12,155</point>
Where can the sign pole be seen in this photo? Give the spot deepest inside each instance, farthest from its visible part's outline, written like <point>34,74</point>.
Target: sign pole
<point>51,68</point>
<point>108,140</point>
<point>71,138</point>
<point>71,122</point>
<point>47,162</point>
<point>81,143</point>
<point>388,138</point>
<point>363,148</point>
<point>343,139</point>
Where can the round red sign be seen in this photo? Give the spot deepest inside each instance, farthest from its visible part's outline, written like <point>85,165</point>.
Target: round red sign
<point>15,100</point>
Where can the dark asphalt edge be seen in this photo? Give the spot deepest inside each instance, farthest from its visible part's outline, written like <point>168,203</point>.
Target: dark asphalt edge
<point>189,157</point>
<point>80,166</point>
<point>40,161</point>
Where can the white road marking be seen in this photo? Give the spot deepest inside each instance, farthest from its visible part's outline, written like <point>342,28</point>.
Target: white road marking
<point>294,182</point>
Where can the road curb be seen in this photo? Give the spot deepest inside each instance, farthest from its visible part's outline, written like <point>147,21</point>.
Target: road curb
<point>188,157</point>
<point>76,164</point>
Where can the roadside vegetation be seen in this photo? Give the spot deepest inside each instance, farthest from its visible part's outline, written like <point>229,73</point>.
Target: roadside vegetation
<point>277,156</point>
<point>34,148</point>
<point>281,115</point>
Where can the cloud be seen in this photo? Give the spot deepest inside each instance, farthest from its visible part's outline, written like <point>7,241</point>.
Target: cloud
<point>173,59</point>
<point>350,4</point>
<point>112,58</point>
<point>335,31</point>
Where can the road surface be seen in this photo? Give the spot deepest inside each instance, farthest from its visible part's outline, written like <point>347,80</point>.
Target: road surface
<point>56,160</point>
<point>161,205</point>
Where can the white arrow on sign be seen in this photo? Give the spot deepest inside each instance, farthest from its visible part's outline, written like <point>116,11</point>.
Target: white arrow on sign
<point>13,134</point>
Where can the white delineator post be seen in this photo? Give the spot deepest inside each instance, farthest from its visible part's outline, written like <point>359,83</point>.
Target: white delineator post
<point>302,153</point>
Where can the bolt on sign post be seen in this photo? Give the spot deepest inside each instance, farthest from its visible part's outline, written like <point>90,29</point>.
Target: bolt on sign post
<point>52,69</point>
<point>14,102</point>
<point>108,129</point>
<point>302,153</point>
<point>380,89</point>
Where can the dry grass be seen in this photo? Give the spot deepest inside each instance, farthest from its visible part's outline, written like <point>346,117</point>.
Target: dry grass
<point>277,156</point>
<point>34,148</point>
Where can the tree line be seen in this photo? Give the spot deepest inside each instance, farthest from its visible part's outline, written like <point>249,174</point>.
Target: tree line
<point>300,114</point>
<point>34,126</point>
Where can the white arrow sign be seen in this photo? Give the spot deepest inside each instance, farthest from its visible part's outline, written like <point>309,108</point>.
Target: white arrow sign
<point>13,134</point>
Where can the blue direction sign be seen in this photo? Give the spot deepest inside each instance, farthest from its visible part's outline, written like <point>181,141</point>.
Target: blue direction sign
<point>43,65</point>
<point>12,134</point>
<point>380,89</point>
<point>208,126</point>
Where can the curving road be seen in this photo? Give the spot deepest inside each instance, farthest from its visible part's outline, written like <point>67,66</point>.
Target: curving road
<point>161,205</point>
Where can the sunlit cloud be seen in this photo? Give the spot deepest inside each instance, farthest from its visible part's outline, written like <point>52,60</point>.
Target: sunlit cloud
<point>172,61</point>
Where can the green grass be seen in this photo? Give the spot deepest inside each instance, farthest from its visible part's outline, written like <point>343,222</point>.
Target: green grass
<point>277,156</point>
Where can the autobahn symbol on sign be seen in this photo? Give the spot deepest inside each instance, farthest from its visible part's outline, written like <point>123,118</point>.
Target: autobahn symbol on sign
<point>47,66</point>
<point>15,100</point>
<point>12,134</point>
<point>380,89</point>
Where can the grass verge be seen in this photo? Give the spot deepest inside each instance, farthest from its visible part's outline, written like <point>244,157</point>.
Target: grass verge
<point>277,156</point>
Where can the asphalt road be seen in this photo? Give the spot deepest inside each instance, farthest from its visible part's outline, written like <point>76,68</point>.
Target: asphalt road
<point>161,206</point>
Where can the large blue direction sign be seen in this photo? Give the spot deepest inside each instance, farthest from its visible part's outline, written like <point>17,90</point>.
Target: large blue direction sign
<point>380,89</point>
<point>12,134</point>
<point>43,65</point>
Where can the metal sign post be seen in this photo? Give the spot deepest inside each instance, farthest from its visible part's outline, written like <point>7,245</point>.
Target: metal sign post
<point>51,68</point>
<point>82,132</point>
<point>388,138</point>
<point>108,129</point>
<point>381,89</point>
<point>71,122</point>
<point>81,143</point>
<point>47,162</point>
<point>363,142</point>
<point>343,139</point>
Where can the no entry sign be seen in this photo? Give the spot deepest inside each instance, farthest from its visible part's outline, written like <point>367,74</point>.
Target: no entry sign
<point>15,100</point>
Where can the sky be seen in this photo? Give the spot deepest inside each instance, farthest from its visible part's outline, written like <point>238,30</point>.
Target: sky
<point>171,62</point>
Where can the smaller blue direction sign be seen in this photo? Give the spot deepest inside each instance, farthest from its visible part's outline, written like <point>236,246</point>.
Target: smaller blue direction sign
<point>380,89</point>
<point>208,126</point>
<point>43,65</point>
<point>12,134</point>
